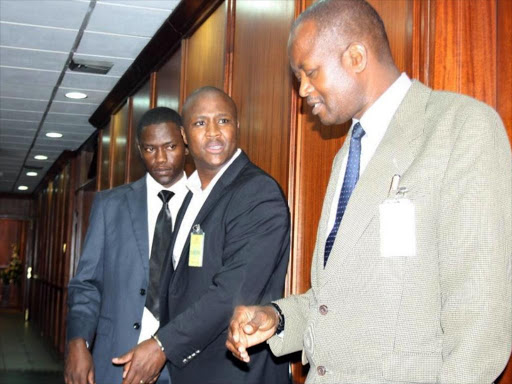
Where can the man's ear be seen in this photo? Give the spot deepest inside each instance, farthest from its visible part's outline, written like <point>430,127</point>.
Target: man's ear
<point>182,131</point>
<point>357,54</point>
<point>139,148</point>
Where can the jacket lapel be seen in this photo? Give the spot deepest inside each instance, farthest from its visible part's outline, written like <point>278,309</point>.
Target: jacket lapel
<point>217,192</point>
<point>136,199</point>
<point>394,155</point>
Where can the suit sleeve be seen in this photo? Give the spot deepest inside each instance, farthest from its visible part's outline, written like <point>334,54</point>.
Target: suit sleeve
<point>256,245</point>
<point>295,311</point>
<point>475,252</point>
<point>84,290</point>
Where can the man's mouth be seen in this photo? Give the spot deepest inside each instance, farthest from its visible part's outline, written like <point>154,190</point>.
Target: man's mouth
<point>316,105</point>
<point>215,147</point>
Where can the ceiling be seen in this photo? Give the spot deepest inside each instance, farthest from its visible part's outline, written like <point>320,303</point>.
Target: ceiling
<point>38,39</point>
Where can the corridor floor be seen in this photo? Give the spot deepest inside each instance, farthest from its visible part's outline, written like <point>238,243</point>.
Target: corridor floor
<point>25,356</point>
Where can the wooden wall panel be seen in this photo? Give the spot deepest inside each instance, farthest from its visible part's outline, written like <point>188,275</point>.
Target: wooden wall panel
<point>504,66</point>
<point>15,207</point>
<point>10,232</point>
<point>104,168</point>
<point>120,125</point>
<point>168,83</point>
<point>141,102</point>
<point>262,85</point>
<point>204,52</point>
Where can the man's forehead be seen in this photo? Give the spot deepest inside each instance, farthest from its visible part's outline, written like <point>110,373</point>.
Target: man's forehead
<point>302,40</point>
<point>208,102</point>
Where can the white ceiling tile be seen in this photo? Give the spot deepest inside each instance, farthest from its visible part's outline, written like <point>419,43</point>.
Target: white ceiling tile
<point>156,4</point>
<point>122,20</point>
<point>82,81</point>
<point>31,105</point>
<point>25,91</point>
<point>21,125</point>
<point>20,141</point>
<point>111,45</point>
<point>17,76</point>
<point>32,59</point>
<point>63,14</point>
<point>20,115</point>
<point>85,109</point>
<point>66,119</point>
<point>25,36</point>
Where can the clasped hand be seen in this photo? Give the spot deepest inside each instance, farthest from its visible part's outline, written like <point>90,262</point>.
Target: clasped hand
<point>250,326</point>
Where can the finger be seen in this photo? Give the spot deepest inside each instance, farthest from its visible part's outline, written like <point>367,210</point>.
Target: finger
<point>123,359</point>
<point>90,377</point>
<point>126,369</point>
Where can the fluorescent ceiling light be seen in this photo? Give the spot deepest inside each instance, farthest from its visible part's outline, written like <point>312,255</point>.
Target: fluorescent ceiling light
<point>31,173</point>
<point>22,187</point>
<point>76,95</point>
<point>41,157</point>
<point>54,134</point>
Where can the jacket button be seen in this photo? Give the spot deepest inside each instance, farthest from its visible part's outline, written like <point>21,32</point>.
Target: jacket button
<point>321,370</point>
<point>142,291</point>
<point>323,310</point>
<point>136,325</point>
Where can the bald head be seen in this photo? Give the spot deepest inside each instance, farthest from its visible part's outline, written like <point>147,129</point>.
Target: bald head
<point>205,91</point>
<point>341,22</point>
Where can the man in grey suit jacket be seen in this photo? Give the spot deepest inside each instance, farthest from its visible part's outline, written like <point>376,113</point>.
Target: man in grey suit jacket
<point>415,284</point>
<point>108,297</point>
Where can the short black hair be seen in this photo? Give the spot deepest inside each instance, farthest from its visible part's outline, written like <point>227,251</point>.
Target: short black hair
<point>156,116</point>
<point>355,20</point>
<point>208,89</point>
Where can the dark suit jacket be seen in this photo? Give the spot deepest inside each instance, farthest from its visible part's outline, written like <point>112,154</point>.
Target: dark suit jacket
<point>107,295</point>
<point>246,249</point>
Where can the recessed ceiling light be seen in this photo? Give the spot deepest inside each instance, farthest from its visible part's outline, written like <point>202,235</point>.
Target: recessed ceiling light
<point>22,187</point>
<point>31,173</point>
<point>54,134</point>
<point>76,95</point>
<point>41,157</point>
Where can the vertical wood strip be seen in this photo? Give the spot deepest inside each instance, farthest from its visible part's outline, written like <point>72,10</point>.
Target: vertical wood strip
<point>99,160</point>
<point>129,139</point>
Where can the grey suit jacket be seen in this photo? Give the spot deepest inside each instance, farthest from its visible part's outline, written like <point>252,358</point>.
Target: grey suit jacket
<point>443,316</point>
<point>107,295</point>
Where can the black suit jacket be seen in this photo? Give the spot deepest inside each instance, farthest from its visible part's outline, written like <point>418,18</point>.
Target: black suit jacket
<point>246,250</point>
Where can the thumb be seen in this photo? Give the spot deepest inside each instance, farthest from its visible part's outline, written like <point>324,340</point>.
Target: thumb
<point>123,359</point>
<point>260,321</point>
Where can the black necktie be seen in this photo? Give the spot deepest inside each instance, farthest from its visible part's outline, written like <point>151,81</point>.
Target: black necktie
<point>161,240</point>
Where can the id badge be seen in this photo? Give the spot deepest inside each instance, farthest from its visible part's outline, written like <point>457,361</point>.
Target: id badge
<point>195,256</point>
<point>397,228</point>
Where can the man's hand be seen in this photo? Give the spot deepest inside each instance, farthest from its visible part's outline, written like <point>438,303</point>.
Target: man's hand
<point>250,326</point>
<point>143,363</point>
<point>79,368</point>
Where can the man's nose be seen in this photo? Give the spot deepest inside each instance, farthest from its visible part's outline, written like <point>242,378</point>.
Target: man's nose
<point>161,156</point>
<point>305,88</point>
<point>212,129</point>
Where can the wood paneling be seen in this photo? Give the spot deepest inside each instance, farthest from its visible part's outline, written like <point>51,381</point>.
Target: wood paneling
<point>104,175</point>
<point>141,102</point>
<point>504,66</point>
<point>15,207</point>
<point>119,133</point>
<point>10,233</point>
<point>168,83</point>
<point>204,53</point>
<point>262,83</point>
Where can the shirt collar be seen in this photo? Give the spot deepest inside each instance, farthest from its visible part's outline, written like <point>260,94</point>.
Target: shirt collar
<point>194,183</point>
<point>376,119</point>
<point>154,186</point>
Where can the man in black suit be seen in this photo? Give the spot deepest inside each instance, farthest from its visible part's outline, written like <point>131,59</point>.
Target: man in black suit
<point>232,247</point>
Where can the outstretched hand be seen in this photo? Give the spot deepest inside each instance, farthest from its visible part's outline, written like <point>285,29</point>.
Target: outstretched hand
<point>142,364</point>
<point>250,326</point>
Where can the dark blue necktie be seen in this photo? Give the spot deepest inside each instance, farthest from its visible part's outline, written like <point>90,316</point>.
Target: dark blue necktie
<point>349,183</point>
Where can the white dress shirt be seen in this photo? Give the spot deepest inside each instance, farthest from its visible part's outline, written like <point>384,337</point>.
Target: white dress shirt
<point>149,324</point>
<point>375,122</point>
<point>196,203</point>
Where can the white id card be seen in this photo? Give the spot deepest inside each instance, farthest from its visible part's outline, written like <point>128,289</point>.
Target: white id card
<point>397,228</point>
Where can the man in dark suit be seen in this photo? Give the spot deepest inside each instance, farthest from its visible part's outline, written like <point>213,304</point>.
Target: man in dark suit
<point>232,246</point>
<point>112,296</point>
